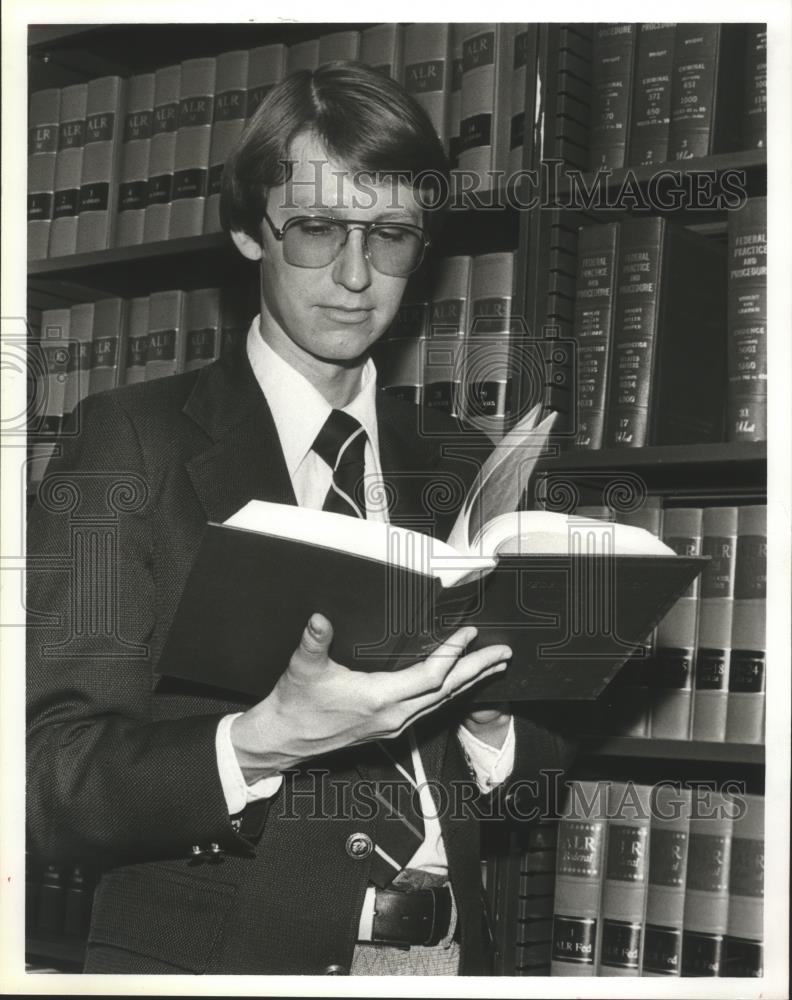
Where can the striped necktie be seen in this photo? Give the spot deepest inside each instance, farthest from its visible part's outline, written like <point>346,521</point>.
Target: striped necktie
<point>400,831</point>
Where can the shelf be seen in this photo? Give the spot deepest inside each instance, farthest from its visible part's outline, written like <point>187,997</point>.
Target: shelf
<point>675,750</point>
<point>60,950</point>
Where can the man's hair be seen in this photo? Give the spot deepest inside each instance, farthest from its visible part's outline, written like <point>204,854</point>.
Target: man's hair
<point>365,120</point>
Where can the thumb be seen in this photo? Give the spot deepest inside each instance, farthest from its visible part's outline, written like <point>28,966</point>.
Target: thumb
<point>315,640</point>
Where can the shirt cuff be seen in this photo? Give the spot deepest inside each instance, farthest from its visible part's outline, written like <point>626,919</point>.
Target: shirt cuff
<point>491,766</point>
<point>238,793</point>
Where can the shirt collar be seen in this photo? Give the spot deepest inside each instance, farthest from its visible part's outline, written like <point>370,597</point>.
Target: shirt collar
<point>298,408</point>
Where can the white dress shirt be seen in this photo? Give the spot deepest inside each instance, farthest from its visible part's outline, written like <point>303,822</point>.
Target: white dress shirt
<point>299,412</point>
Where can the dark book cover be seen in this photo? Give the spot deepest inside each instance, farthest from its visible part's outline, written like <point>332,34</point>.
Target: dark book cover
<point>651,102</point>
<point>754,134</point>
<point>745,929</point>
<point>612,60</point>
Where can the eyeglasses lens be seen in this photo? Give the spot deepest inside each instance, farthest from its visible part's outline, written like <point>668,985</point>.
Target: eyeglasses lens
<point>393,250</point>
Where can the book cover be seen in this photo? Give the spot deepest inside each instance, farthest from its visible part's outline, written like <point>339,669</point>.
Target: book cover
<point>228,120</point>
<point>665,893</point>
<point>716,601</point>
<point>77,903</point>
<point>381,48</point>
<point>668,365</point>
<point>134,349</point>
<point>337,45</point>
<point>165,122</point>
<point>707,886</point>
<point>754,130</point>
<point>78,371</point>
<point>566,137</point>
<point>487,68</point>
<point>191,153</point>
<point>109,320</point>
<point>746,397</point>
<point>68,170</point>
<point>651,101</point>
<point>56,350</point>
<point>745,712</point>
<point>400,368</point>
<point>523,65</point>
<point>426,71</point>
<point>535,898</point>
<point>595,292</point>
<point>444,347</point>
<point>626,870</point>
<point>745,927</point>
<point>612,60</point>
<point>672,688</point>
<point>43,119</point>
<point>454,116</point>
<point>51,901</point>
<point>166,334</point>
<point>134,172</point>
<point>101,162</point>
<point>266,67</point>
<point>237,309</point>
<point>202,327</point>
<point>302,55</point>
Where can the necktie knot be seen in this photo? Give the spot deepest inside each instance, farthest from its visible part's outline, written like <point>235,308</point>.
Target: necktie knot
<point>341,443</point>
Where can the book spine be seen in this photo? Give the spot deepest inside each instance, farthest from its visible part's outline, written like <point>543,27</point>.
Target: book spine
<point>133,352</point>
<point>228,120</point>
<point>651,109</point>
<point>535,897</point>
<point>159,187</point>
<point>707,886</point>
<point>444,348</point>
<point>624,885</point>
<point>55,351</point>
<point>166,342</point>
<point>426,72</point>
<point>665,893</point>
<point>68,170</point>
<point>676,635</point>
<point>716,601</point>
<point>202,327</point>
<point>100,166</point>
<point>613,55</point>
<point>746,401</point>
<point>455,97</point>
<point>482,65</point>
<point>381,48</point>
<point>43,119</point>
<point>567,136</point>
<point>754,131</point>
<point>578,883</point>
<point>138,125</point>
<point>235,315</point>
<point>746,699</point>
<point>522,63</point>
<point>51,901</point>
<point>339,45</point>
<point>79,368</point>
<point>108,325</point>
<point>399,366</point>
<point>77,904</point>
<point>595,292</point>
<point>266,67</point>
<point>635,329</point>
<point>745,927</point>
<point>303,55</point>
<point>191,155</point>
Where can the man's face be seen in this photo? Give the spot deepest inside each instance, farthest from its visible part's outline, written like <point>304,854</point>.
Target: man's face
<point>336,312</point>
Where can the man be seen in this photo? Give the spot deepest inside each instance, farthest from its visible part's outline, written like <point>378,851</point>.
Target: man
<point>212,816</point>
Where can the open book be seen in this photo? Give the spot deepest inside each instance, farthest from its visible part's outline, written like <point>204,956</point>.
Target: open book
<point>573,597</point>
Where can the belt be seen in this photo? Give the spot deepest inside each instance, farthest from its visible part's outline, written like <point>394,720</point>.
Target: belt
<point>417,917</point>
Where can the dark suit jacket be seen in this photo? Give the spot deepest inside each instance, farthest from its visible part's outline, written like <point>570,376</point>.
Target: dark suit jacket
<point>123,770</point>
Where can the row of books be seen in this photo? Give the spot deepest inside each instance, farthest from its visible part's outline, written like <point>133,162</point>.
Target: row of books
<point>118,162</point>
<point>660,880</point>
<point>671,339</point>
<point>57,901</point>
<point>646,94</point>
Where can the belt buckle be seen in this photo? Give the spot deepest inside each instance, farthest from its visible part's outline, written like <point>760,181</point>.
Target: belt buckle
<point>389,913</point>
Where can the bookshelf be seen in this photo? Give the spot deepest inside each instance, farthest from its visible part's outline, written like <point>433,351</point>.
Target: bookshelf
<point>697,474</point>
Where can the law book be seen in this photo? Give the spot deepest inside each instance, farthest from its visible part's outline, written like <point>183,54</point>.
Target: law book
<point>672,688</point>
<point>754,116</point>
<point>134,351</point>
<point>426,71</point>
<point>706,90</point>
<point>444,347</point>
<point>393,593</point>
<point>668,363</point>
<point>43,118</point>
<point>266,67</point>
<point>625,880</point>
<point>202,327</point>
<point>381,48</point>
<point>101,163</point>
<point>400,368</point>
<point>522,63</point>
<point>651,100</point>
<point>485,399</point>
<point>68,170</point>
<point>138,126</point>
<point>55,350</point>
<point>745,712</point>
<point>595,293</point>
<point>338,45</point>
<point>566,136</point>
<point>578,882</point>
<point>80,354</point>
<point>612,60</point>
<point>535,897</point>
<point>191,153</point>
<point>228,120</point>
<point>51,901</point>
<point>746,397</point>
<point>716,603</point>
<point>745,926</point>
<point>707,886</point>
<point>487,69</point>
<point>669,839</point>
<point>236,312</point>
<point>165,348</point>
<point>454,116</point>
<point>165,122</point>
<point>77,903</point>
<point>303,55</point>
<point>109,320</point>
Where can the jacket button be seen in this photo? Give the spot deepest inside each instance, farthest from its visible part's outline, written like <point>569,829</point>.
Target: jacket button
<point>336,970</point>
<point>359,846</point>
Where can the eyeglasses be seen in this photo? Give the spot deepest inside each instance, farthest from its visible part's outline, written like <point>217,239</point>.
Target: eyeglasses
<point>393,248</point>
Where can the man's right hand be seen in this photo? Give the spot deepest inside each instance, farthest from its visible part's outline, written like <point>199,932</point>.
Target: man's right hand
<point>318,705</point>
